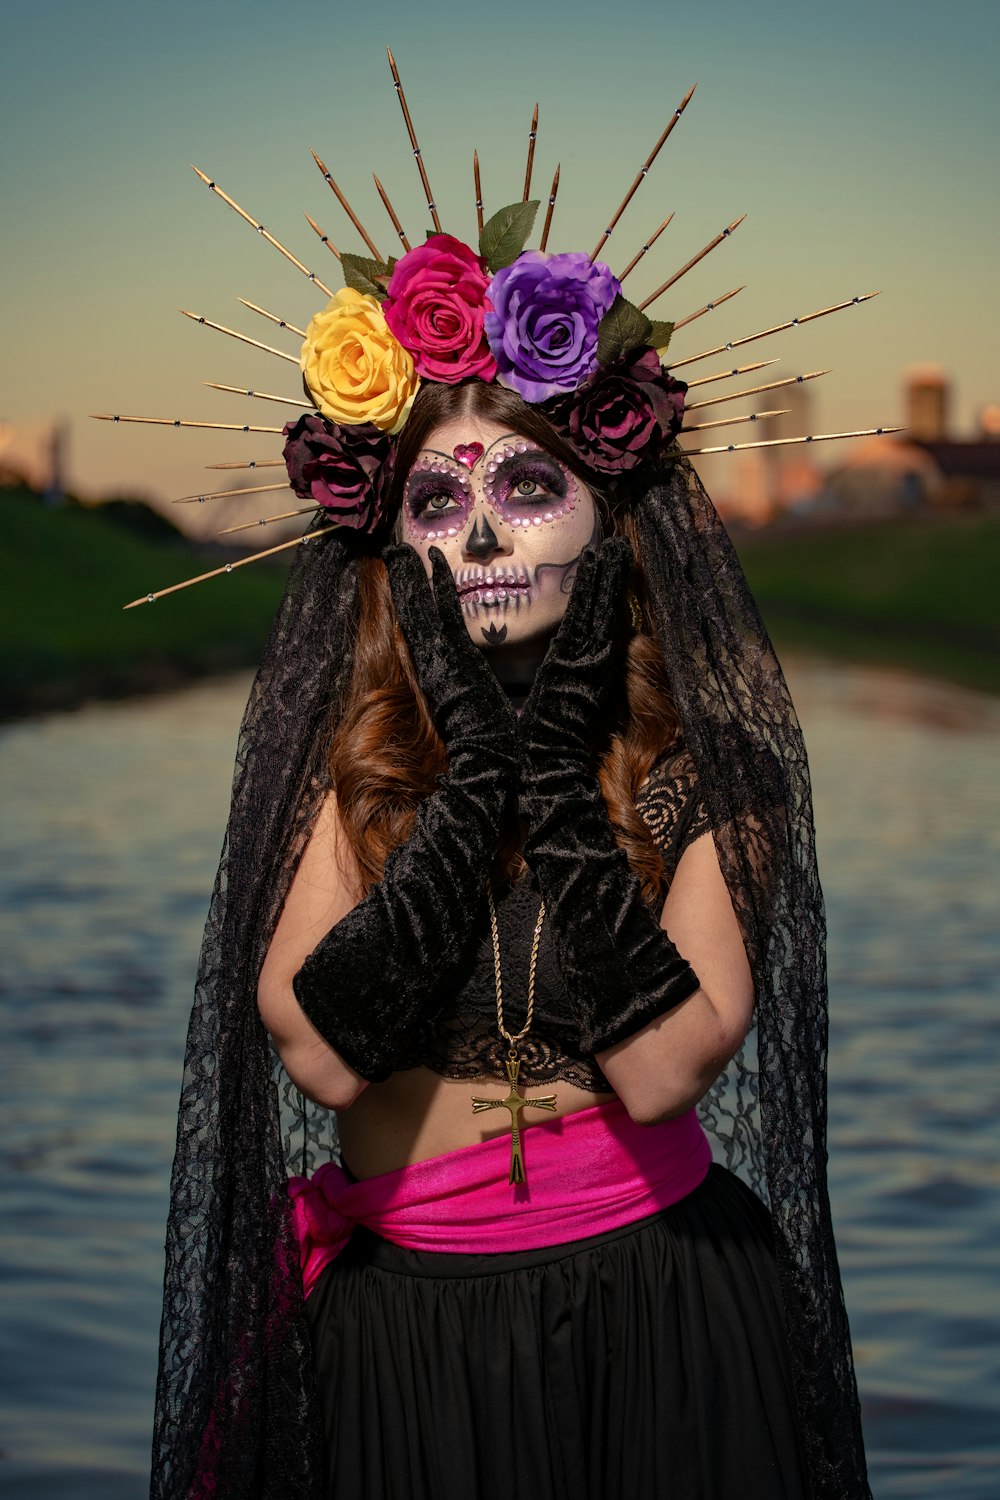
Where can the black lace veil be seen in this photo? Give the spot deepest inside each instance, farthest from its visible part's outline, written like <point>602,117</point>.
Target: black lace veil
<point>235,1414</point>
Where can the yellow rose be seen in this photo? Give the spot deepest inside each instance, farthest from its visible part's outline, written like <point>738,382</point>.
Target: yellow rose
<point>354,369</point>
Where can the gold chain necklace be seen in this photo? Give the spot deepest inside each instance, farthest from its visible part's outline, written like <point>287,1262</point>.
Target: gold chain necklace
<point>514,1101</point>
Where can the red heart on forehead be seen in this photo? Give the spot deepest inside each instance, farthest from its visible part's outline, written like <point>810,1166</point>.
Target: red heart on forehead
<point>468,454</point>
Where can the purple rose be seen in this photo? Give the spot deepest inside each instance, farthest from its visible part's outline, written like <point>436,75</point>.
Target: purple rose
<point>625,415</point>
<point>542,319</point>
<point>345,470</point>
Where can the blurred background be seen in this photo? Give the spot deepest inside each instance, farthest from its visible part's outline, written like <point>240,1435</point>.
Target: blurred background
<point>861,142</point>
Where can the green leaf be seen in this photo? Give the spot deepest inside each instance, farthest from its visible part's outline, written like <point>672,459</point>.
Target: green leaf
<point>622,329</point>
<point>432,234</point>
<point>365,275</point>
<point>661,335</point>
<point>505,235</point>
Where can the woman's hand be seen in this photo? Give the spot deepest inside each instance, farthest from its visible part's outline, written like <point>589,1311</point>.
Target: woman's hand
<point>384,970</point>
<point>558,724</point>
<point>464,698</point>
<point>620,968</point>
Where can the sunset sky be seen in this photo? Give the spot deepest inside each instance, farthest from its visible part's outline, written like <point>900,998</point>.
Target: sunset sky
<point>860,138</point>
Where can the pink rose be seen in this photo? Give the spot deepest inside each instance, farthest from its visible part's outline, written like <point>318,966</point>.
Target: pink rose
<point>435,307</point>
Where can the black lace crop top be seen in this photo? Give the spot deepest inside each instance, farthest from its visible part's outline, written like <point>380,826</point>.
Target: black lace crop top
<point>464,1042</point>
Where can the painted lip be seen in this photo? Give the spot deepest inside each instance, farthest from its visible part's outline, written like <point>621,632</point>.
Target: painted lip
<point>489,584</point>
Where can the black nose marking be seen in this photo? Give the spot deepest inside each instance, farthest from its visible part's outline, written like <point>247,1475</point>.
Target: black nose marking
<point>483,541</point>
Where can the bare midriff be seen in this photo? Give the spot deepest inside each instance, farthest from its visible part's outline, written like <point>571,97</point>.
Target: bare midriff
<point>416,1114</point>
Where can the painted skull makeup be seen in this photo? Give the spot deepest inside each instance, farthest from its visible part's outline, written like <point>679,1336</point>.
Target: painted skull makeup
<point>511,521</point>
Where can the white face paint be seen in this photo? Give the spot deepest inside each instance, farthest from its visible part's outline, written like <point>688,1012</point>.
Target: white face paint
<point>511,521</point>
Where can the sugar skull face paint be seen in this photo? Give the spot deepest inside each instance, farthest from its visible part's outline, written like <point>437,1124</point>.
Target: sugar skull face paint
<point>511,521</point>
<point>438,498</point>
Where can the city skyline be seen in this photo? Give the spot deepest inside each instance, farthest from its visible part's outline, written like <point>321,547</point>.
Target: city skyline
<point>858,144</point>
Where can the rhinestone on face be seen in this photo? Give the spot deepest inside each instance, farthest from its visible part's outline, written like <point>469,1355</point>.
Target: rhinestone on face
<point>150,598</point>
<point>229,567</point>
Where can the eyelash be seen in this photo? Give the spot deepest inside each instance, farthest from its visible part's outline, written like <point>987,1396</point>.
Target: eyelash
<point>517,463</point>
<point>435,479</point>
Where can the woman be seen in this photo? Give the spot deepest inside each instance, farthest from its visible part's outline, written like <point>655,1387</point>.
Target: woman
<point>520,804</point>
<point>686,1299</point>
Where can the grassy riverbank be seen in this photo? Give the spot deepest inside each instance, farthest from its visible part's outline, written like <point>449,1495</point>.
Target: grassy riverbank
<point>919,594</point>
<point>65,574</point>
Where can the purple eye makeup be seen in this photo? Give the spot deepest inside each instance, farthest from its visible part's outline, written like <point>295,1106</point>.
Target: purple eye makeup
<point>437,497</point>
<point>526,486</point>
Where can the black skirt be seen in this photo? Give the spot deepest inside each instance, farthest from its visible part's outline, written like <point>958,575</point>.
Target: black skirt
<point>648,1362</point>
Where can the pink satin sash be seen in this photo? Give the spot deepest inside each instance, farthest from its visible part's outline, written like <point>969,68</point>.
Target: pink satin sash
<point>586,1173</point>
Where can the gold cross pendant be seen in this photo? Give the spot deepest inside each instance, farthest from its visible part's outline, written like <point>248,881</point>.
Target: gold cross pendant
<point>515,1102</point>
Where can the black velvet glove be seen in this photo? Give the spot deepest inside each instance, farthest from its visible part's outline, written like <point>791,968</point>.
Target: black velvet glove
<point>620,968</point>
<point>383,969</point>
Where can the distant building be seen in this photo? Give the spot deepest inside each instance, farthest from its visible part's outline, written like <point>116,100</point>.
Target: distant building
<point>34,453</point>
<point>884,476</point>
<point>763,482</point>
<point>928,403</point>
<point>924,467</point>
<point>970,470</point>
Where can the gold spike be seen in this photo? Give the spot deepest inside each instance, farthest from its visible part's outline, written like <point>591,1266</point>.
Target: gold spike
<point>818,437</point>
<point>548,212</point>
<point>758,416</point>
<point>431,206</point>
<point>532,137</point>
<point>324,238</point>
<point>249,489</point>
<point>755,390</point>
<point>106,416</point>
<point>230,567</point>
<point>397,226</point>
<point>273,317</point>
<point>760,364</point>
<point>709,307</point>
<point>479,191</point>
<point>266,520</point>
<point>264,233</point>
<point>252,463</point>
<point>647,246</point>
<point>777,328</point>
<point>239,390</point>
<point>643,170</point>
<point>254,343</point>
<point>349,211</point>
<point>722,235</point>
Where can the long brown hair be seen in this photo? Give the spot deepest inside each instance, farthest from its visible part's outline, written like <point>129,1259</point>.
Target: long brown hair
<point>386,752</point>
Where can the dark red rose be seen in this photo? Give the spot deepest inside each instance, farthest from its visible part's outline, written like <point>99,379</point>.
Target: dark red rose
<point>624,415</point>
<point>345,470</point>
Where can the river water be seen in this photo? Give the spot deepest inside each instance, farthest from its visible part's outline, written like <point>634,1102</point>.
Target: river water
<point>113,822</point>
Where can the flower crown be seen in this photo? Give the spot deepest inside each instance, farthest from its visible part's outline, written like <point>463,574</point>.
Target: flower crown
<point>555,329</point>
